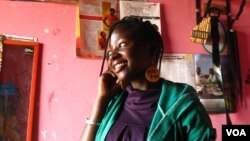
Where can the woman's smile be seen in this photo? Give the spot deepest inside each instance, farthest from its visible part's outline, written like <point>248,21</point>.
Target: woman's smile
<point>118,67</point>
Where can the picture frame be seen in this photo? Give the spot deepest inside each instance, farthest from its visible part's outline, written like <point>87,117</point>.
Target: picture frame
<point>215,98</point>
<point>18,84</point>
<point>182,68</point>
<point>92,25</point>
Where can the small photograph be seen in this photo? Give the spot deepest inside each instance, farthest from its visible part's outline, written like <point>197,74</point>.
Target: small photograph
<point>210,79</point>
<point>102,39</point>
<point>95,18</point>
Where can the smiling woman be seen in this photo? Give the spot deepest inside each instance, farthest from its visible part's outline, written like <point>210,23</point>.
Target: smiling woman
<point>133,102</point>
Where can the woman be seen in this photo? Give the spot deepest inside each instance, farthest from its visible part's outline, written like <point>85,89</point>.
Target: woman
<point>212,76</point>
<point>133,102</point>
<point>102,40</point>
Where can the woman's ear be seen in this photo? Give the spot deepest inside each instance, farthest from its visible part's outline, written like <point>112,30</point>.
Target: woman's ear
<point>154,49</point>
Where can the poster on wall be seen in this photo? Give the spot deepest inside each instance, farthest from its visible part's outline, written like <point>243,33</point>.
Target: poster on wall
<point>197,71</point>
<point>178,68</point>
<point>210,90</point>
<point>148,11</point>
<point>95,19</point>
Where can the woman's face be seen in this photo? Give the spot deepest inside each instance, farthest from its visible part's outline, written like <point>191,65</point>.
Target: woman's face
<point>127,58</point>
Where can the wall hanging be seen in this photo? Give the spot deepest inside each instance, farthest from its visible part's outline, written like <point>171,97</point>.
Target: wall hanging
<point>18,78</point>
<point>221,36</point>
<point>95,18</point>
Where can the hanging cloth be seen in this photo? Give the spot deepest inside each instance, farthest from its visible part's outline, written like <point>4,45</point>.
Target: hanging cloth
<point>214,13</point>
<point>208,28</point>
<point>201,32</point>
<point>232,43</point>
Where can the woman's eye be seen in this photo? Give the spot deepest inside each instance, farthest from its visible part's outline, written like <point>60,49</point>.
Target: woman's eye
<point>122,45</point>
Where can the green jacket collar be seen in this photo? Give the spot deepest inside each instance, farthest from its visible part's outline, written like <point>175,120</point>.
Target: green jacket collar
<point>168,110</point>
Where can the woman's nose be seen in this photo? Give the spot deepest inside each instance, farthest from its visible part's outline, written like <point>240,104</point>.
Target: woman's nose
<point>113,55</point>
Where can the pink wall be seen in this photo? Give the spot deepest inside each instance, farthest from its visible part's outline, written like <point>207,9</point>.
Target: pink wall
<point>68,84</point>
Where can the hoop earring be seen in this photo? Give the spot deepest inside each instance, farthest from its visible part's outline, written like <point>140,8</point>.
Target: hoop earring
<point>152,74</point>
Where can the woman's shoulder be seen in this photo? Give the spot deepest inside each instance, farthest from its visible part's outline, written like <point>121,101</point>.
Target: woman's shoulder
<point>177,86</point>
<point>178,94</point>
<point>172,92</point>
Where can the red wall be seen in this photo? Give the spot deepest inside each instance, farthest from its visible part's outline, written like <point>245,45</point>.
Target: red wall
<point>68,84</point>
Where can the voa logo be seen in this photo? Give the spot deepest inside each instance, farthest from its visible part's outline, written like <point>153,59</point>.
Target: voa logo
<point>236,132</point>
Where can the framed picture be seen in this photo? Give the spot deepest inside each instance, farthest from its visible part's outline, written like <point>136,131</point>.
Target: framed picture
<point>213,86</point>
<point>18,76</point>
<point>197,70</point>
<point>95,18</point>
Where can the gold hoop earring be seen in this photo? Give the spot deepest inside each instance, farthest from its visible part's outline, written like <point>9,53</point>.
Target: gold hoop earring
<point>152,74</point>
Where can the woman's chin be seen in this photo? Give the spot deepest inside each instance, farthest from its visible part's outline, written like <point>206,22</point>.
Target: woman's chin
<point>122,78</point>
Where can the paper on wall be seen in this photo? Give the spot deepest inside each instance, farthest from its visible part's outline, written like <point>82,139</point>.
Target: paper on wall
<point>147,10</point>
<point>91,13</point>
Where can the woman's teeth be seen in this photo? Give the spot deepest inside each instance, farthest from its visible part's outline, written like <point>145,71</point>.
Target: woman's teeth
<point>119,65</point>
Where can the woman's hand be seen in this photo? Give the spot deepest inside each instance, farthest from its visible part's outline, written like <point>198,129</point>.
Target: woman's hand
<point>108,85</point>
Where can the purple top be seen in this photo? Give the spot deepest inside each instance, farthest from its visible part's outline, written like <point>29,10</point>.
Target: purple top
<point>133,122</point>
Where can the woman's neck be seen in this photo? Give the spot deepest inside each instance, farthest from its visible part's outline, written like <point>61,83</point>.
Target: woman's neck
<point>145,85</point>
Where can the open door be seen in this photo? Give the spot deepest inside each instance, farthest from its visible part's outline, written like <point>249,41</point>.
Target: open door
<point>18,76</point>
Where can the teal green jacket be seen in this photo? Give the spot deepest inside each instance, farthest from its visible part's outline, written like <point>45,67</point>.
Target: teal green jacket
<point>180,116</point>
